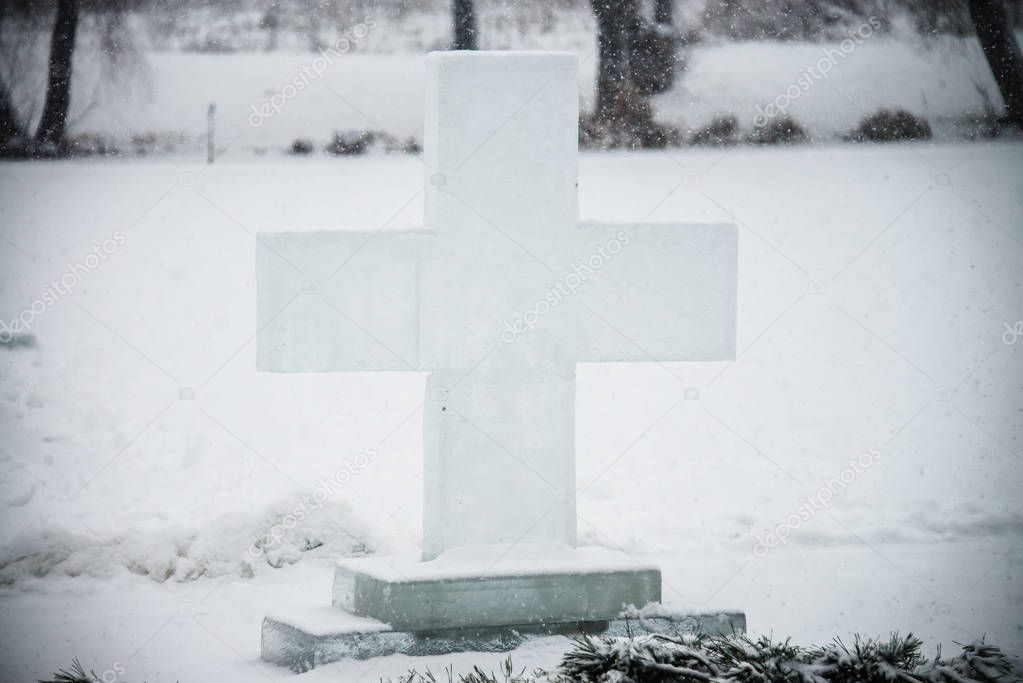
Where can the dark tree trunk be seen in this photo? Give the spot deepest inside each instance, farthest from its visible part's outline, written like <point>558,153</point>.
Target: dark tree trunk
<point>465,25</point>
<point>614,21</point>
<point>53,124</point>
<point>663,11</point>
<point>10,125</point>
<point>994,29</point>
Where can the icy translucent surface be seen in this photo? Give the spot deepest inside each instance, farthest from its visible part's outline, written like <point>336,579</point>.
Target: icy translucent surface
<point>500,299</point>
<point>497,559</point>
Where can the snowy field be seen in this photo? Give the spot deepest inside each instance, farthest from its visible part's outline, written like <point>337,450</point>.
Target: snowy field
<point>142,454</point>
<point>945,80</point>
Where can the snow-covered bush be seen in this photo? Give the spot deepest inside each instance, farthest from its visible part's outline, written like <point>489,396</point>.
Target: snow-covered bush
<point>358,142</point>
<point>783,130</point>
<point>722,130</point>
<point>738,658</point>
<point>637,132</point>
<point>9,340</point>
<point>889,125</point>
<point>351,143</point>
<point>242,543</point>
<point>302,146</point>
<point>655,658</point>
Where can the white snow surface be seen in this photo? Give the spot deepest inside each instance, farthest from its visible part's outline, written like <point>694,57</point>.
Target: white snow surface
<point>875,285</point>
<point>326,620</point>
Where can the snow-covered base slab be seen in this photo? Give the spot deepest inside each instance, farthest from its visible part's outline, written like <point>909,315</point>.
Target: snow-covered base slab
<point>303,639</point>
<point>487,598</point>
<point>495,585</point>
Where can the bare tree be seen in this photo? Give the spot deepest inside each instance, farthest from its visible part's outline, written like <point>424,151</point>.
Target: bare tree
<point>69,26</point>
<point>10,124</point>
<point>664,11</point>
<point>614,19</point>
<point>464,14</point>
<point>995,31</point>
<point>53,124</point>
<point>637,60</point>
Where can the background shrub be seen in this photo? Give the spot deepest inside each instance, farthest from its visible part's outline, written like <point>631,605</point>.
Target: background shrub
<point>784,130</point>
<point>722,130</point>
<point>892,126</point>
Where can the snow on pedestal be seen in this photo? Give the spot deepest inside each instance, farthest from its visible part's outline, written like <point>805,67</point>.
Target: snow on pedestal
<point>498,299</point>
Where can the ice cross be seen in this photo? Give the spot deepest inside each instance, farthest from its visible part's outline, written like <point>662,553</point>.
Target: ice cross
<point>499,298</point>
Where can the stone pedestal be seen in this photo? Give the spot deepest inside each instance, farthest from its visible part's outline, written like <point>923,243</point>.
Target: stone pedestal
<point>485,598</point>
<point>495,585</point>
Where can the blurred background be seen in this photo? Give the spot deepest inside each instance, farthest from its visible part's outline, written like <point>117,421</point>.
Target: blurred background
<point>159,76</point>
<point>869,152</point>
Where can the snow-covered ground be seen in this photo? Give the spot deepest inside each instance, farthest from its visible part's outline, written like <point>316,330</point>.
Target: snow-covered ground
<point>875,286</point>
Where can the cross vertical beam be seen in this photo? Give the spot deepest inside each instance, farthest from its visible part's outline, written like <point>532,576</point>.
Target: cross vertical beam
<point>500,142</point>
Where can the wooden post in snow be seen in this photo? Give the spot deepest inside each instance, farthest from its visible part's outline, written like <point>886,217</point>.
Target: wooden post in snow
<point>210,130</point>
